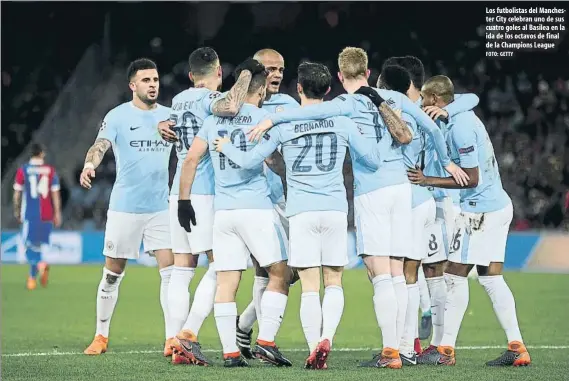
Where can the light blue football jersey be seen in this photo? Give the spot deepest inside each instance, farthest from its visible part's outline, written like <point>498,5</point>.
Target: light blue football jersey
<point>362,111</point>
<point>236,187</point>
<point>277,103</point>
<point>471,147</point>
<point>314,152</point>
<point>189,110</point>
<point>414,154</point>
<point>433,166</point>
<point>141,183</point>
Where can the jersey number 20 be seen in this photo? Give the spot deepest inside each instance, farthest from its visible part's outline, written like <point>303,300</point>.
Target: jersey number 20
<point>308,144</point>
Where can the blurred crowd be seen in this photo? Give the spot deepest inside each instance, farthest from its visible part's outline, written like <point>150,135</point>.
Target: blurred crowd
<point>524,102</point>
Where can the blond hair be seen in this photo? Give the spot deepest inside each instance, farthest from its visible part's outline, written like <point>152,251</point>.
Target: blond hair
<point>441,86</point>
<point>352,62</point>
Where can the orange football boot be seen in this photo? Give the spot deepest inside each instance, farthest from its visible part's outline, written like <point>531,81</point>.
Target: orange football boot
<point>98,346</point>
<point>168,346</point>
<point>31,284</point>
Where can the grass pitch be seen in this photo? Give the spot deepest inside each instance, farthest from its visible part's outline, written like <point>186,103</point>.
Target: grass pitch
<point>45,331</point>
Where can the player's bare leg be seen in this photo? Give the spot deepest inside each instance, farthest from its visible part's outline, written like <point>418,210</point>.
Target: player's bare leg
<point>165,261</point>
<point>107,296</point>
<point>225,310</point>
<point>491,278</point>
<point>407,350</point>
<point>384,300</point>
<point>273,305</point>
<point>201,308</point>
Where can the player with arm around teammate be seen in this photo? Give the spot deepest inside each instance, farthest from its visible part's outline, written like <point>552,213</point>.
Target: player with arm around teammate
<point>274,101</point>
<point>481,229</point>
<point>189,109</point>
<point>37,184</point>
<point>316,205</point>
<point>244,223</point>
<point>138,208</point>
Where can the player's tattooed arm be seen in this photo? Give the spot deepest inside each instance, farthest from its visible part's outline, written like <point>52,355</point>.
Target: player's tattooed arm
<point>230,105</point>
<point>17,202</point>
<point>97,152</point>
<point>396,126</point>
<point>92,160</point>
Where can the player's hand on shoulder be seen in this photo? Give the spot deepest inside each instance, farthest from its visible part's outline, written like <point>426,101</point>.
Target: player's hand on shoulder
<point>186,214</point>
<point>416,176</point>
<point>85,178</point>
<point>166,132</point>
<point>257,132</point>
<point>220,142</point>
<point>434,112</point>
<point>458,174</point>
<point>371,94</point>
<point>250,64</point>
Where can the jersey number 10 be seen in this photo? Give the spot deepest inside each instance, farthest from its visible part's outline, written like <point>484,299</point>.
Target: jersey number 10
<point>40,186</point>
<point>242,147</point>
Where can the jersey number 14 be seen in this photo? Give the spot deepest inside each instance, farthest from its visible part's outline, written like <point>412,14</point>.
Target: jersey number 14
<point>40,186</point>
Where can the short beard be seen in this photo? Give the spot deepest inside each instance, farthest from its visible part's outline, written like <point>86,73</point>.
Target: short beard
<point>147,101</point>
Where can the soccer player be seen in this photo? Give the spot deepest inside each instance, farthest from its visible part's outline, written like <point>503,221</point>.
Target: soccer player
<point>189,109</point>
<point>244,223</point>
<point>274,102</point>
<point>425,244</point>
<point>382,200</point>
<point>40,210</point>
<point>138,208</point>
<point>316,205</point>
<point>447,201</point>
<point>480,232</point>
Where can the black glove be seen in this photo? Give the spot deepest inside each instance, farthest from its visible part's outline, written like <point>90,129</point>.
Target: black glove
<point>254,66</point>
<point>186,214</point>
<point>371,94</point>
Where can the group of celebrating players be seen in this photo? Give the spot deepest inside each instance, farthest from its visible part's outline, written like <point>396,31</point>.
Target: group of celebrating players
<point>228,201</point>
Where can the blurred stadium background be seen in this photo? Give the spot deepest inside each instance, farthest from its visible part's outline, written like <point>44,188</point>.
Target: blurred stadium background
<point>66,69</point>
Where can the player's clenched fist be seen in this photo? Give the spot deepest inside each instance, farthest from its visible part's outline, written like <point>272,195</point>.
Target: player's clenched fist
<point>186,214</point>
<point>86,175</point>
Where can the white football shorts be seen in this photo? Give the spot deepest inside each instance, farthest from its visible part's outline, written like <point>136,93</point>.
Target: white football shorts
<point>318,238</point>
<point>383,220</point>
<point>125,231</point>
<point>200,239</point>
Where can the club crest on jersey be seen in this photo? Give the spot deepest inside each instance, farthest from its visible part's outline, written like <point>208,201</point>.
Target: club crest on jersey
<point>279,109</point>
<point>109,245</point>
